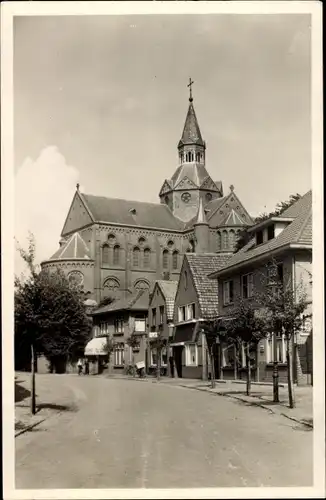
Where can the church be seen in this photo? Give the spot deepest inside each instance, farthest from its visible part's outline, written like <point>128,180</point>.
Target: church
<point>113,247</point>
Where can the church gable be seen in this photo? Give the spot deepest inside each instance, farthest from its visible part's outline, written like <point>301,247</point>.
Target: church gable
<point>166,188</point>
<point>185,183</point>
<point>209,184</point>
<point>78,216</point>
<point>231,206</point>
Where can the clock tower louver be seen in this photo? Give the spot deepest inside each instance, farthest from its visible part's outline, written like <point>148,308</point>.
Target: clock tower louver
<point>191,182</point>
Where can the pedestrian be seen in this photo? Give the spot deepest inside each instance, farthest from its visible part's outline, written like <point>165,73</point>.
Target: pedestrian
<point>86,365</point>
<point>171,361</point>
<point>80,366</point>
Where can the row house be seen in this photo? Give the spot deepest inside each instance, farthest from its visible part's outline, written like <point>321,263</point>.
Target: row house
<point>287,242</point>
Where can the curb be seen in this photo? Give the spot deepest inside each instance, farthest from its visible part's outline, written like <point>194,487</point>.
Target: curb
<point>30,427</point>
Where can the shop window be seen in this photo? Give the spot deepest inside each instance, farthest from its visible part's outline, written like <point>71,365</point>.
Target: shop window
<point>191,355</point>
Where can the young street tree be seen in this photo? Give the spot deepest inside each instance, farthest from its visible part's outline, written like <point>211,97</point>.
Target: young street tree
<point>245,329</point>
<point>50,316</point>
<point>283,312</point>
<point>210,329</point>
<point>158,343</point>
<point>133,343</point>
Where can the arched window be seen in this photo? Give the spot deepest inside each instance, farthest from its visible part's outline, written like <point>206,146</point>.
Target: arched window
<point>136,257</point>
<point>111,284</point>
<point>197,156</point>
<point>175,260</point>
<point>219,240</point>
<point>141,285</point>
<point>225,240</point>
<point>165,259</point>
<point>231,239</point>
<point>105,254</point>
<point>116,255</point>
<point>192,245</point>
<point>147,257</point>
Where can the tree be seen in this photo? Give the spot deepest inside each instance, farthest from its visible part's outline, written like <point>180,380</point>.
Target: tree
<point>158,343</point>
<point>50,316</point>
<point>133,343</point>
<point>242,239</point>
<point>245,329</point>
<point>284,308</point>
<point>106,301</point>
<point>210,329</point>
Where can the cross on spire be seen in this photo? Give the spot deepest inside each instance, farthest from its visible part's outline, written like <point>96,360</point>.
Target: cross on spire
<point>190,89</point>
<point>231,188</point>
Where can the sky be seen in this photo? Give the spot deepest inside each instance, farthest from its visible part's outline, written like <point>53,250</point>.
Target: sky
<point>101,100</point>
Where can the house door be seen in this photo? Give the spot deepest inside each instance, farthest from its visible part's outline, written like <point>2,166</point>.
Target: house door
<point>177,354</point>
<point>217,360</point>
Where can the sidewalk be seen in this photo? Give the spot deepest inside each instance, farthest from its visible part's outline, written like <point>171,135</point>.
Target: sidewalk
<point>46,394</point>
<point>261,395</point>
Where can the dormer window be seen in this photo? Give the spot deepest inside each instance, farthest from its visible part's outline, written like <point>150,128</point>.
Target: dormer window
<point>271,232</point>
<point>259,237</point>
<point>132,211</point>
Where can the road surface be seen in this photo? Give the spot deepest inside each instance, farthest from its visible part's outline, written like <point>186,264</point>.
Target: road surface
<point>139,434</point>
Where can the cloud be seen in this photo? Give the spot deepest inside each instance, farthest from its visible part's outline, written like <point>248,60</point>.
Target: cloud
<point>44,189</point>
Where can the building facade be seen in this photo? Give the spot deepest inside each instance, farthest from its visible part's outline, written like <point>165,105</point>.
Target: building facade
<point>285,241</point>
<point>113,247</point>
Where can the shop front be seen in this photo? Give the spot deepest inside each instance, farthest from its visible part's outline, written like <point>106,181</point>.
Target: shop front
<point>96,353</point>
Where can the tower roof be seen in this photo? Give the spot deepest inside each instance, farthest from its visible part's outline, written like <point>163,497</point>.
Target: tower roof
<point>74,248</point>
<point>191,132</point>
<point>201,216</point>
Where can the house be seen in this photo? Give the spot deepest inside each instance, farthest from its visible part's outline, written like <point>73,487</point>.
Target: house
<point>287,241</point>
<point>196,301</point>
<point>119,320</point>
<point>160,319</point>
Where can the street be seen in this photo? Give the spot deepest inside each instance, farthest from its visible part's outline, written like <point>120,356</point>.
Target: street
<point>139,434</point>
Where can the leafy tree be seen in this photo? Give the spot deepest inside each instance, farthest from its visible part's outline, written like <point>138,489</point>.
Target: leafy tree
<point>158,343</point>
<point>246,328</point>
<point>283,312</point>
<point>50,316</point>
<point>133,343</point>
<point>242,239</point>
<point>210,329</point>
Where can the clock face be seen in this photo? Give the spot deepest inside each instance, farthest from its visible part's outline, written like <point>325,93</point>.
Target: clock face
<point>76,278</point>
<point>186,197</point>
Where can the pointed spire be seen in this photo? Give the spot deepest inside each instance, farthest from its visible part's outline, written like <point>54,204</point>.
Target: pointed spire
<point>201,216</point>
<point>191,132</point>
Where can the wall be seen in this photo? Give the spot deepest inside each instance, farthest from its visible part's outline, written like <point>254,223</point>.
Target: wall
<point>157,301</point>
<point>186,293</point>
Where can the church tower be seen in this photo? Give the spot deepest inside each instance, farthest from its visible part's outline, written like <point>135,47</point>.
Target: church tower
<point>191,183</point>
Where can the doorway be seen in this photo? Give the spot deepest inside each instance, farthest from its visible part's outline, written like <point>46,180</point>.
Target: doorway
<point>177,354</point>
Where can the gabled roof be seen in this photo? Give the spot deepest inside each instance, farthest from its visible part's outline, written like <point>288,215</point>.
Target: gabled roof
<point>200,266</point>
<point>233,219</point>
<point>132,213</point>
<point>191,132</point>
<point>169,290</point>
<point>216,205</point>
<point>298,233</point>
<point>201,215</point>
<point>136,301</point>
<point>74,248</point>
<point>195,172</point>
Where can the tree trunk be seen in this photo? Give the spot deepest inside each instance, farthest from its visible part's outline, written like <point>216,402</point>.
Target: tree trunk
<point>213,368</point>
<point>158,369</point>
<point>275,371</point>
<point>33,395</point>
<point>235,362</point>
<point>248,366</point>
<point>133,365</point>
<point>289,373</point>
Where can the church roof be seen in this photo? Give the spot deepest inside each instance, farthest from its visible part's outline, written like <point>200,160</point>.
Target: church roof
<point>201,215</point>
<point>201,265</point>
<point>195,172</point>
<point>191,132</point>
<point>297,232</point>
<point>132,213</point>
<point>74,248</point>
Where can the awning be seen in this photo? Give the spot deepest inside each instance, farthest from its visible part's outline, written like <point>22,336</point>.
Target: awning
<point>96,347</point>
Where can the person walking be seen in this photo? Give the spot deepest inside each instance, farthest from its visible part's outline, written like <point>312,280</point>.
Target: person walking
<point>80,366</point>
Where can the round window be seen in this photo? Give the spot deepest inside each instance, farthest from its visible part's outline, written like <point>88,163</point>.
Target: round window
<point>186,197</point>
<point>76,278</point>
<point>209,196</point>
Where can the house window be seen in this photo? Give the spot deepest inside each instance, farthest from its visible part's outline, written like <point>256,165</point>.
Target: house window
<point>116,255</point>
<point>147,257</point>
<point>247,285</point>
<point>227,292</point>
<point>140,324</point>
<point>165,259</point>
<point>182,313</point>
<point>190,311</point>
<point>225,240</point>
<point>271,232</point>
<point>191,355</point>
<point>275,274</point>
<point>154,357</point>
<point>161,315</point>
<point>118,325</point>
<point>175,260</point>
<point>136,257</point>
<point>259,237</point>
<point>280,349</point>
<point>154,316</point>
<point>119,354</point>
<point>105,254</point>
